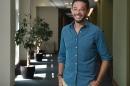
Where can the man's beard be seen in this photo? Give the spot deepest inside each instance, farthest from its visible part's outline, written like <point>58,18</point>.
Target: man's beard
<point>80,20</point>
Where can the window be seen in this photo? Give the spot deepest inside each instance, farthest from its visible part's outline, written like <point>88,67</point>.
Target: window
<point>17,27</point>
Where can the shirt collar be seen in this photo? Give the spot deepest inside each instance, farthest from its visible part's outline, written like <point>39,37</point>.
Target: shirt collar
<point>85,25</point>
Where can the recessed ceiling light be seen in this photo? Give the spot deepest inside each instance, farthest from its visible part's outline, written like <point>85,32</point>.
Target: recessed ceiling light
<point>95,0</point>
<point>66,3</point>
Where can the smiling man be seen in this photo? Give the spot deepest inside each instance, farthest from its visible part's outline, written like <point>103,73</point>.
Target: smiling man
<point>81,41</point>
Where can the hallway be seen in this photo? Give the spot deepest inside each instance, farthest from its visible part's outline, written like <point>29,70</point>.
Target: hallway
<point>118,40</point>
<point>45,74</point>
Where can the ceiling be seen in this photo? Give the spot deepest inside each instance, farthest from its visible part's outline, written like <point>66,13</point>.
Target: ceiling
<point>55,3</point>
<point>61,3</point>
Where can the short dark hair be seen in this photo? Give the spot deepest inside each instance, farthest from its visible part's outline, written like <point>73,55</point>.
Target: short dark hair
<point>85,1</point>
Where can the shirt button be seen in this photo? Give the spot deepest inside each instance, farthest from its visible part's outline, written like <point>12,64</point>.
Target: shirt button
<point>76,47</point>
<point>76,55</point>
<point>76,63</point>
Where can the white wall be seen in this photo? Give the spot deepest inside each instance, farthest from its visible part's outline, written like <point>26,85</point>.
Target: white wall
<point>37,3</point>
<point>120,42</point>
<point>53,22</point>
<point>51,17</point>
<point>24,7</point>
<point>7,27</point>
<point>29,6</point>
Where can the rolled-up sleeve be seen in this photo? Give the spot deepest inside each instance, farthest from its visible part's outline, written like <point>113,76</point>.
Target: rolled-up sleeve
<point>62,50</point>
<point>101,46</point>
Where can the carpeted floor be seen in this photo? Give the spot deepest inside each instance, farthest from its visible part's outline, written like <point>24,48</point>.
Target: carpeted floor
<point>45,73</point>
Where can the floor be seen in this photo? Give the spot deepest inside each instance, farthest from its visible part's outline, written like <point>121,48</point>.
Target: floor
<point>45,73</point>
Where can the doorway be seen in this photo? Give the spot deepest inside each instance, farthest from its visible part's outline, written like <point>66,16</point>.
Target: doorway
<point>63,19</point>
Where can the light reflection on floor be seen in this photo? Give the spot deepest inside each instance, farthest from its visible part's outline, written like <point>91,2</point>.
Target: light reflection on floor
<point>33,60</point>
<point>45,60</point>
<point>53,75</point>
<point>40,66</point>
<point>48,55</point>
<point>42,75</point>
<point>20,78</point>
<point>45,73</point>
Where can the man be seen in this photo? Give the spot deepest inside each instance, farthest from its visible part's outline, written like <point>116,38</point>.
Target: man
<point>80,43</point>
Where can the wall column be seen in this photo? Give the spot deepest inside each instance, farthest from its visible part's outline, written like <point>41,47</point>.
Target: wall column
<point>128,61</point>
<point>7,45</point>
<point>120,42</point>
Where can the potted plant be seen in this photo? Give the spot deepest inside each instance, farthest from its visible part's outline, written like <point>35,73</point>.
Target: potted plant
<point>43,33</point>
<point>31,35</point>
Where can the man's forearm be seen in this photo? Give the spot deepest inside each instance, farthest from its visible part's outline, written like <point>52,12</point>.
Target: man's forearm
<point>102,72</point>
<point>104,67</point>
<point>60,68</point>
<point>60,73</point>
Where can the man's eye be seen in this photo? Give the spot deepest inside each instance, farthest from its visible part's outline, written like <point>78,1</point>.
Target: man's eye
<point>81,9</point>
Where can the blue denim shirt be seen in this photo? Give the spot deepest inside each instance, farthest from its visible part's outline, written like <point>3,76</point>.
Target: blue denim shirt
<point>78,52</point>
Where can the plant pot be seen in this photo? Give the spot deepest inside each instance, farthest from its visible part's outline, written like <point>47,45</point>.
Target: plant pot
<point>27,71</point>
<point>39,57</point>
